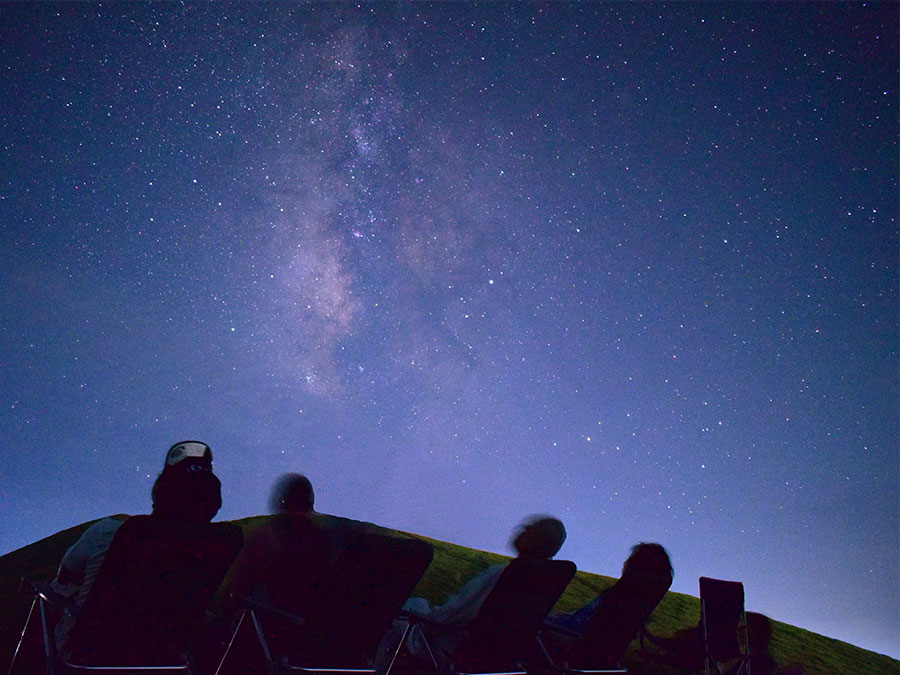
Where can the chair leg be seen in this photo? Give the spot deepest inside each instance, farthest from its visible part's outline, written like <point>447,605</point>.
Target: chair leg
<point>271,666</point>
<point>546,653</point>
<point>12,663</point>
<point>400,644</point>
<point>49,646</point>
<point>234,635</point>
<point>428,647</point>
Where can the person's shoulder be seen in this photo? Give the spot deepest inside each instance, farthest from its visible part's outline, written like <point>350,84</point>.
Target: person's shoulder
<point>105,527</point>
<point>92,542</point>
<point>326,519</point>
<point>330,522</point>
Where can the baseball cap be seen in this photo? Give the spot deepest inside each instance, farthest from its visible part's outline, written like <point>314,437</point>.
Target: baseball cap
<point>196,451</point>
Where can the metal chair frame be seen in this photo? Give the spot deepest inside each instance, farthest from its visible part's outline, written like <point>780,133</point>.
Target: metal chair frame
<point>253,608</point>
<point>43,597</point>
<point>417,621</point>
<point>618,618</point>
<point>271,665</point>
<point>565,668</point>
<point>214,550</point>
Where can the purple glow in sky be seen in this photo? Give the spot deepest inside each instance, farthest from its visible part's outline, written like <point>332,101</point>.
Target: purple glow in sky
<point>633,265</point>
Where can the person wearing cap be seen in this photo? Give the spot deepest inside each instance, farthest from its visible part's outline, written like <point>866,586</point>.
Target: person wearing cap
<point>186,492</point>
<point>189,456</point>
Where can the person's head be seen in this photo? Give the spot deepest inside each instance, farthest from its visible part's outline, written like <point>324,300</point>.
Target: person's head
<point>187,455</point>
<point>648,559</point>
<point>292,493</point>
<point>539,537</point>
<point>190,497</point>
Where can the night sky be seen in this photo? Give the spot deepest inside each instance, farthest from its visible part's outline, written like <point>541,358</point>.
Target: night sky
<point>632,265</point>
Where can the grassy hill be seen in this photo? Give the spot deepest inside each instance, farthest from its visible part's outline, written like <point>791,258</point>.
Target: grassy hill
<point>792,649</point>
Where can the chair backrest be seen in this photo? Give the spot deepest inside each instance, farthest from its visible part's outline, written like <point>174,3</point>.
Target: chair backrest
<point>721,611</point>
<point>507,623</point>
<point>355,605</point>
<point>305,558</point>
<point>148,602</point>
<point>624,608</point>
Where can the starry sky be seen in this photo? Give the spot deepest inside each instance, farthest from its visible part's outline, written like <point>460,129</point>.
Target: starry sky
<point>633,265</point>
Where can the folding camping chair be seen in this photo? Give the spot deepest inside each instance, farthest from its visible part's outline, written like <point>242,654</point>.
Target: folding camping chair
<point>505,631</point>
<point>148,602</point>
<point>724,626</point>
<point>45,600</point>
<point>347,613</point>
<point>625,608</point>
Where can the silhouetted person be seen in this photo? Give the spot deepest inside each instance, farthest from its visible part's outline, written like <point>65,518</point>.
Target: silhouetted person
<point>597,634</point>
<point>647,568</point>
<point>537,537</point>
<point>685,649</point>
<point>289,552</point>
<point>284,561</point>
<point>759,635</point>
<point>185,494</point>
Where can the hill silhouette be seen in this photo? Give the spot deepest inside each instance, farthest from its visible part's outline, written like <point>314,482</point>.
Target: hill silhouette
<point>790,650</point>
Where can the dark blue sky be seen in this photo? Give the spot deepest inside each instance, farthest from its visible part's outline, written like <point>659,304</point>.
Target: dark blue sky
<point>634,265</point>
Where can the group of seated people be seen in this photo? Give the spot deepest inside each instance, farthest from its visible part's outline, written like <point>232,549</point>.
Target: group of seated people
<point>297,543</point>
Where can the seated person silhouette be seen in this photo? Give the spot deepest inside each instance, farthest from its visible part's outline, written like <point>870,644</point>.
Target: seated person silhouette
<point>291,501</point>
<point>185,494</point>
<point>285,555</point>
<point>597,634</point>
<point>284,561</point>
<point>684,650</point>
<point>537,537</point>
<point>648,565</point>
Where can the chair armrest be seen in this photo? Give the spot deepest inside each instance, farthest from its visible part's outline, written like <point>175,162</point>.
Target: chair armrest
<point>43,589</point>
<point>422,620</point>
<point>561,630</point>
<point>652,639</point>
<point>263,606</point>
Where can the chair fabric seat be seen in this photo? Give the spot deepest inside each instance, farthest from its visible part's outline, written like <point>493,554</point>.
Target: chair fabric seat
<point>625,608</point>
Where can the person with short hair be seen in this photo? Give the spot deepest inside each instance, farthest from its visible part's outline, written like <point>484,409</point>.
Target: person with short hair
<point>288,552</point>
<point>648,564</point>
<point>539,536</point>
<point>282,562</point>
<point>292,493</point>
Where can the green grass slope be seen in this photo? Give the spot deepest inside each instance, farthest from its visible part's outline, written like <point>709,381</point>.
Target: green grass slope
<point>792,649</point>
